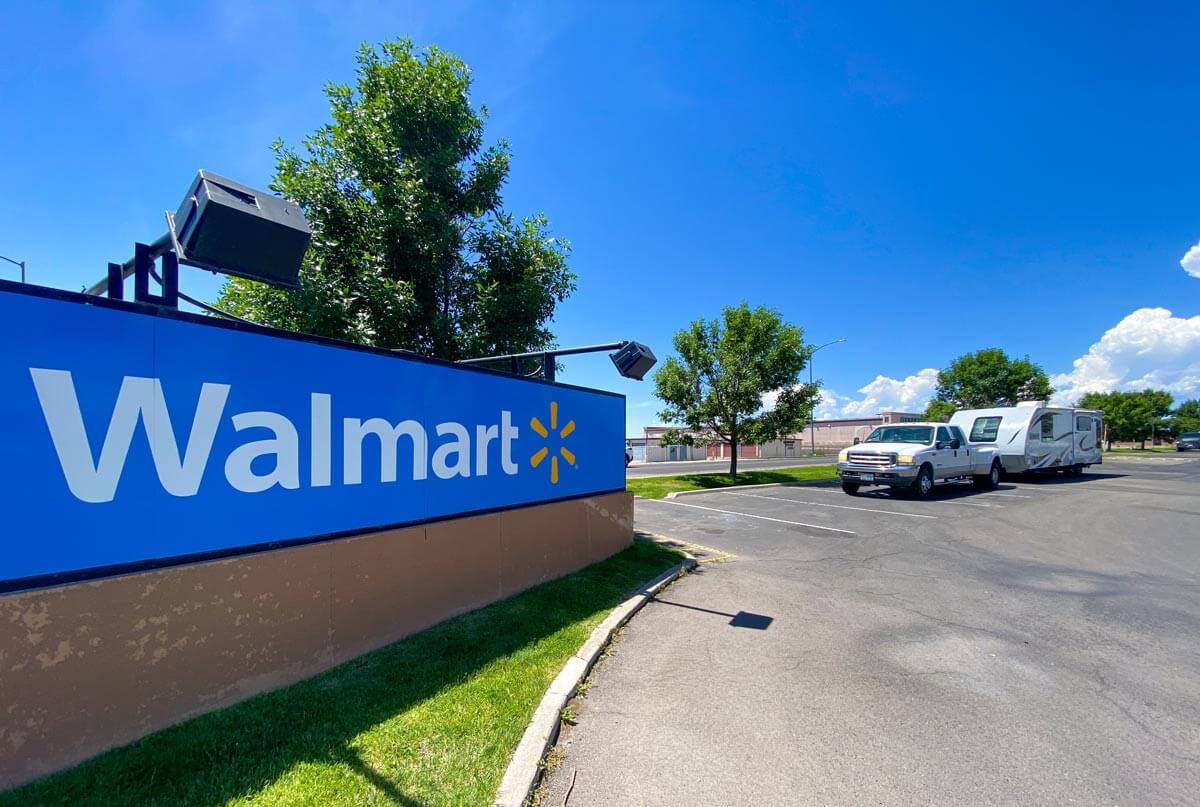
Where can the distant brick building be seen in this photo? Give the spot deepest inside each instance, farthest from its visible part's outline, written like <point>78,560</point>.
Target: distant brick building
<point>833,434</point>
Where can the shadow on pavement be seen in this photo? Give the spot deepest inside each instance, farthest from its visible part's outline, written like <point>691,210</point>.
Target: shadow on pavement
<point>742,619</point>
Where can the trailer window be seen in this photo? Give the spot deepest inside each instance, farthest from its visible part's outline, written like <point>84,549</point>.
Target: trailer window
<point>1083,424</point>
<point>985,429</point>
<point>1048,427</point>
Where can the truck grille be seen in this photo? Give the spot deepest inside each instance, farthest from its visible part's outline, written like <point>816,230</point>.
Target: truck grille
<point>872,460</point>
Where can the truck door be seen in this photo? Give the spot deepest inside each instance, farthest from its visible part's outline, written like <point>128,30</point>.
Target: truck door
<point>965,454</point>
<point>946,459</point>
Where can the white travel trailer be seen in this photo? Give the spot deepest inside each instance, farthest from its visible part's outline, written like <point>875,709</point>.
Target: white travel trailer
<point>1032,436</point>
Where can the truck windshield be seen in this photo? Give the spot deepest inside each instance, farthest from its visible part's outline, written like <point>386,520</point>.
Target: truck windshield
<point>902,434</point>
<point>1190,436</point>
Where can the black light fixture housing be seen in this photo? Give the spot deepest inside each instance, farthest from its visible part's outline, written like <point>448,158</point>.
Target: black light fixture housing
<point>634,360</point>
<point>222,226</point>
<point>237,230</point>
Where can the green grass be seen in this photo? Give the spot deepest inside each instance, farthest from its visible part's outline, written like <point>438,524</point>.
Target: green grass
<point>656,487</point>
<point>432,719</point>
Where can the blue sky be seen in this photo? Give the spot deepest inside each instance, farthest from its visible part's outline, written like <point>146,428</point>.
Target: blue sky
<point>922,181</point>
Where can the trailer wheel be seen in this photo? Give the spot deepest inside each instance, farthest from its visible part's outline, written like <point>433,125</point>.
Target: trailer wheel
<point>989,480</point>
<point>922,486</point>
<point>850,488</point>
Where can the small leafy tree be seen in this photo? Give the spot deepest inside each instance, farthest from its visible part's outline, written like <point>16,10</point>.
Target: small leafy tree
<point>940,411</point>
<point>411,246</point>
<point>987,378</point>
<point>1186,418</point>
<point>1130,415</point>
<point>715,386</point>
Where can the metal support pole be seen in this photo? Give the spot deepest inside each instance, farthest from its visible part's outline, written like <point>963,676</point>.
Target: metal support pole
<point>116,282</point>
<point>812,419</point>
<point>548,366</point>
<point>157,248</point>
<point>812,429</point>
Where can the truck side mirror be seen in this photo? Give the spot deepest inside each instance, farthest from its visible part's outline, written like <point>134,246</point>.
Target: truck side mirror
<point>955,444</point>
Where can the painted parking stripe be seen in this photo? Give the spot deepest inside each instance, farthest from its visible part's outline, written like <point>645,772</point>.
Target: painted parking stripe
<point>1012,495</point>
<point>752,515</point>
<point>824,504</point>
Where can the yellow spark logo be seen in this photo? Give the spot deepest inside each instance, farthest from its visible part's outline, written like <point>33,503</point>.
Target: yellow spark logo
<point>540,456</point>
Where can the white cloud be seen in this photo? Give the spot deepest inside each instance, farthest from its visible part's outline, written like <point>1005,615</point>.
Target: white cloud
<point>1149,348</point>
<point>830,404</point>
<point>884,394</point>
<point>1191,261</point>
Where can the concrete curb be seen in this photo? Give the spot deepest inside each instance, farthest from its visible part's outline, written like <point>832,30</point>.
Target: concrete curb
<point>525,767</point>
<point>814,484</point>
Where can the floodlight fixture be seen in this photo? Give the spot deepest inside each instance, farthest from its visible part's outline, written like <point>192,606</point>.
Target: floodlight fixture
<point>632,359</point>
<point>225,227</point>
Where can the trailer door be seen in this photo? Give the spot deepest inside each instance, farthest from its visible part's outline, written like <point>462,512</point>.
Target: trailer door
<point>1087,439</point>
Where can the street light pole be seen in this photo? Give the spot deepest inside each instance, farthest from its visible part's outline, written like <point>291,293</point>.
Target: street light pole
<point>812,431</point>
<point>16,263</point>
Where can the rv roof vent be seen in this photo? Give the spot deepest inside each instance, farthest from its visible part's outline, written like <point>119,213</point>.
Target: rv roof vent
<point>1031,403</point>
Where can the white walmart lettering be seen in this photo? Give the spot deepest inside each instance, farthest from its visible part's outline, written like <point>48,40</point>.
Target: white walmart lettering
<point>142,399</point>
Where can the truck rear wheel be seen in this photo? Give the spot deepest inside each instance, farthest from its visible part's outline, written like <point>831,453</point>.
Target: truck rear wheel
<point>989,480</point>
<point>850,488</point>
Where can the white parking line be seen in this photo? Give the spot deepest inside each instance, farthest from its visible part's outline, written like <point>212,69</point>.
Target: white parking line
<point>752,515</point>
<point>1012,495</point>
<point>879,498</point>
<point>823,504</point>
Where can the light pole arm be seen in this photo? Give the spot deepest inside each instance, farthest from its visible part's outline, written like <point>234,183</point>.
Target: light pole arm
<point>567,351</point>
<point>16,263</point>
<point>632,359</point>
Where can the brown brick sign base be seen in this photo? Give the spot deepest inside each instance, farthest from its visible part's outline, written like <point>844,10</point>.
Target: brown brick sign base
<point>90,666</point>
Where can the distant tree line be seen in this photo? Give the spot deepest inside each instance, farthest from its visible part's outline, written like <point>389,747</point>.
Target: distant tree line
<point>1139,416</point>
<point>990,378</point>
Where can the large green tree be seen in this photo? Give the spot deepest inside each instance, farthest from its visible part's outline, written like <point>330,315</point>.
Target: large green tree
<point>714,388</point>
<point>1186,418</point>
<point>411,245</point>
<point>987,378</point>
<point>1131,415</point>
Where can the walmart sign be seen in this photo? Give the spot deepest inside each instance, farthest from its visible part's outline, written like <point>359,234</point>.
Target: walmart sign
<point>131,439</point>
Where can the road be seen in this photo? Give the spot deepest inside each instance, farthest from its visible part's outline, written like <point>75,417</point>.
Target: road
<point>1032,645</point>
<point>720,466</point>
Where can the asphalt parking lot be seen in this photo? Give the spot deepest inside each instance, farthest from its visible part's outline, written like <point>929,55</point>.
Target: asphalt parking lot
<point>1038,644</point>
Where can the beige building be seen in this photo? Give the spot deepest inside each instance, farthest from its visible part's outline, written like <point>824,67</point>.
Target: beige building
<point>832,435</point>
<point>829,435</point>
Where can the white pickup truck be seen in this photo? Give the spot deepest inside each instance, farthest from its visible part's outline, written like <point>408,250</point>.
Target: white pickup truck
<point>916,456</point>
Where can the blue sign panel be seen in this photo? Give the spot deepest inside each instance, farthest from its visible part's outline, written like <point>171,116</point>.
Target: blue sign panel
<point>131,439</point>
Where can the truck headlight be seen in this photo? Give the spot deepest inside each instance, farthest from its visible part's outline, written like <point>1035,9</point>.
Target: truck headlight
<point>906,459</point>
<point>844,455</point>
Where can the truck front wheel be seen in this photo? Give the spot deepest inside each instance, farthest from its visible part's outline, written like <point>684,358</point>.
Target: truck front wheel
<point>989,480</point>
<point>922,486</point>
<point>850,487</point>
